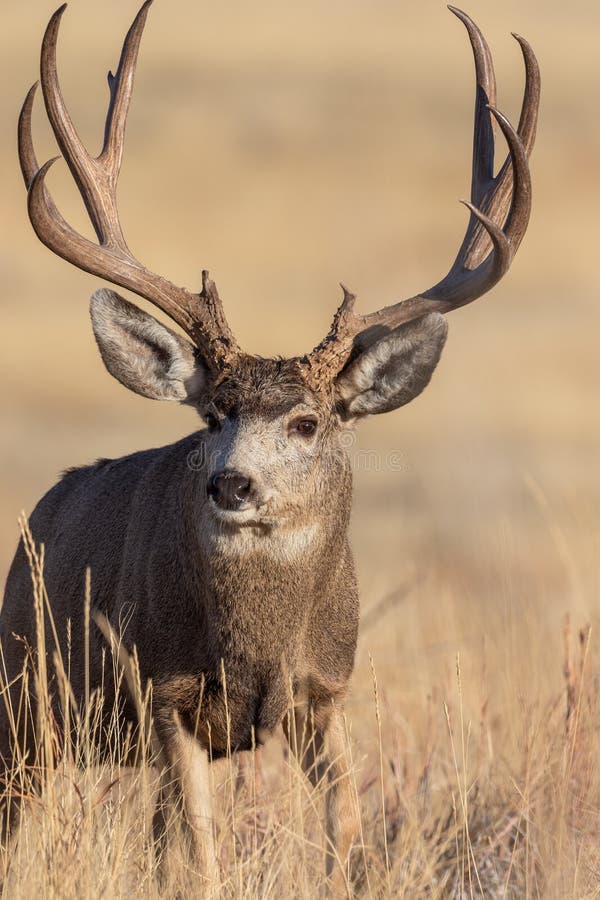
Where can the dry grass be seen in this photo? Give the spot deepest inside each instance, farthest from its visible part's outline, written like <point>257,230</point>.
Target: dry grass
<point>286,147</point>
<point>448,812</point>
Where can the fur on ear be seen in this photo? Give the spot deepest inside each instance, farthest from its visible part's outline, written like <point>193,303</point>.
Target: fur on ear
<point>393,370</point>
<point>142,353</point>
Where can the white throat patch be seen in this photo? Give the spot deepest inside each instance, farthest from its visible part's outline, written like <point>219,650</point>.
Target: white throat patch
<point>280,543</point>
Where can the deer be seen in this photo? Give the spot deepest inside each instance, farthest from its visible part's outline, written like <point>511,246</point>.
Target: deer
<point>227,552</point>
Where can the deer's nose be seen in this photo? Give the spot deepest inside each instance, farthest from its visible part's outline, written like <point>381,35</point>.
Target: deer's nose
<point>229,489</point>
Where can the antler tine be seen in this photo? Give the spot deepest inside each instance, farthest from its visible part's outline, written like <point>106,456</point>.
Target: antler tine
<point>95,178</point>
<point>46,219</point>
<point>531,96</point>
<point>485,96</point>
<point>497,198</point>
<point>519,201</point>
<point>500,207</point>
<point>121,88</point>
<point>201,316</point>
<point>27,157</point>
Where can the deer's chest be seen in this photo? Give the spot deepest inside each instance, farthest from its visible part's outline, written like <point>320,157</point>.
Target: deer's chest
<point>225,710</point>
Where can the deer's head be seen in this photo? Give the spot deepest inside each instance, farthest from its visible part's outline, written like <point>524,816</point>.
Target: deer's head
<point>270,422</point>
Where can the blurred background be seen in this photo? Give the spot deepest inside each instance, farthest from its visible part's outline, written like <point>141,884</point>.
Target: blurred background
<point>287,147</point>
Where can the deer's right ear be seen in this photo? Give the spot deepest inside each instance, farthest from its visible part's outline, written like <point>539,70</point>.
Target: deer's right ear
<point>142,353</point>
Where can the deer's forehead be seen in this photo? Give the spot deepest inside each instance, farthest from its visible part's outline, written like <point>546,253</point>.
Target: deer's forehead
<point>269,388</point>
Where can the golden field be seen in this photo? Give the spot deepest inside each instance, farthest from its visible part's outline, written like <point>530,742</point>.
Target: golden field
<point>287,147</point>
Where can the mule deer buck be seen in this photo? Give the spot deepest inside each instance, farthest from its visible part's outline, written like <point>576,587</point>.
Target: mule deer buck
<point>240,563</point>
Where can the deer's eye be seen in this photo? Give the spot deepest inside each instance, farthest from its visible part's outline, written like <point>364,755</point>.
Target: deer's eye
<point>305,427</point>
<point>212,423</point>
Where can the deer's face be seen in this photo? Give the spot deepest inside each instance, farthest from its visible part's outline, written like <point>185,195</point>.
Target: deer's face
<point>271,445</point>
<point>271,450</point>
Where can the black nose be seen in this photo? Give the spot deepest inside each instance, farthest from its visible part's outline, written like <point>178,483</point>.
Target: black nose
<point>229,489</point>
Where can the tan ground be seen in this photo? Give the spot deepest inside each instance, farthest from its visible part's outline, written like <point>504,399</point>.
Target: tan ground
<point>288,146</point>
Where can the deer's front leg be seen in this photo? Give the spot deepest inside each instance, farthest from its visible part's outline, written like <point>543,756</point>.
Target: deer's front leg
<point>186,781</point>
<point>317,737</point>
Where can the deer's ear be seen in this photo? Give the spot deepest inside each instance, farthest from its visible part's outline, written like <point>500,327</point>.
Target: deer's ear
<point>142,353</point>
<point>393,370</point>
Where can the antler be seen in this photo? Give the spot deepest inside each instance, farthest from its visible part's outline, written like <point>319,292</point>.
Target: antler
<point>200,315</point>
<point>499,211</point>
<point>500,207</point>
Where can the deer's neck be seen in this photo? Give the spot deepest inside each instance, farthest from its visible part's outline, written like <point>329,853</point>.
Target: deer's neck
<point>254,600</point>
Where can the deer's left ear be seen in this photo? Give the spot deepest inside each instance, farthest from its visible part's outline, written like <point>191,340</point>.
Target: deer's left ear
<point>393,370</point>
